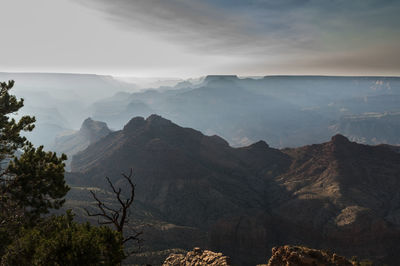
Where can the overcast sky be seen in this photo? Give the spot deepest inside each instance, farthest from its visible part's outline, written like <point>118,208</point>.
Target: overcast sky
<point>188,38</point>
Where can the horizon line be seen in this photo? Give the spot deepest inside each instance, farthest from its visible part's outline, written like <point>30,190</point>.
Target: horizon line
<point>200,76</point>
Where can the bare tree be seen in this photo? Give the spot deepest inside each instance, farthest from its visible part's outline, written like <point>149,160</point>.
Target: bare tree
<point>118,217</point>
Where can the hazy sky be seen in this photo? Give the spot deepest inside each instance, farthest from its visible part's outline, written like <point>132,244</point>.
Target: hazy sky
<point>185,38</point>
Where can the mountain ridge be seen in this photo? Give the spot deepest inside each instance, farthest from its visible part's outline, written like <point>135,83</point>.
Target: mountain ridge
<point>286,111</point>
<point>322,195</point>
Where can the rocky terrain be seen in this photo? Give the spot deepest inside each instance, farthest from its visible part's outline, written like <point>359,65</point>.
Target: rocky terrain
<point>297,255</point>
<point>283,255</point>
<point>74,142</point>
<point>198,190</point>
<point>197,257</point>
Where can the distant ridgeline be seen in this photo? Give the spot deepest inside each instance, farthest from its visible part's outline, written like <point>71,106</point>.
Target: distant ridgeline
<point>197,190</point>
<point>285,111</point>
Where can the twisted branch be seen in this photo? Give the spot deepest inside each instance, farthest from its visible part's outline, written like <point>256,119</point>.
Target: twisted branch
<point>117,217</point>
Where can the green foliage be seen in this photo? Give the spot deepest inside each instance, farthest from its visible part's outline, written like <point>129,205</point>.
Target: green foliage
<point>32,184</point>
<point>38,182</point>
<point>60,241</point>
<point>29,185</point>
<point>10,138</point>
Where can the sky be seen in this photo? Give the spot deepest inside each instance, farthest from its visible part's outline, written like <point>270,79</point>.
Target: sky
<point>190,38</point>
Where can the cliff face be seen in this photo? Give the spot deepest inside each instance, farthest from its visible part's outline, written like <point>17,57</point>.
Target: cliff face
<point>93,130</point>
<point>90,132</point>
<point>337,195</point>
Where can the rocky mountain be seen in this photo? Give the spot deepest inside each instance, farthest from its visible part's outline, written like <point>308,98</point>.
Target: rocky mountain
<point>336,195</point>
<point>342,193</point>
<point>285,111</point>
<point>173,161</point>
<point>72,143</point>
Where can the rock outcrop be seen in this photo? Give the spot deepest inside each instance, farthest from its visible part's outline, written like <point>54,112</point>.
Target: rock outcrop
<point>303,256</point>
<point>90,132</point>
<point>197,257</point>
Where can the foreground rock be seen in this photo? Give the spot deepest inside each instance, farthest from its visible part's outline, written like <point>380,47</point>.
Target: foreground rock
<point>197,257</point>
<point>295,255</point>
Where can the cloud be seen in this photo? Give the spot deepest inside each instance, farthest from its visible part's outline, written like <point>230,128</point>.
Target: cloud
<point>258,26</point>
<point>212,26</point>
<point>198,37</point>
<point>318,34</point>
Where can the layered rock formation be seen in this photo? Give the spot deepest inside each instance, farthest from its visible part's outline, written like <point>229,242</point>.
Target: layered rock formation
<point>197,257</point>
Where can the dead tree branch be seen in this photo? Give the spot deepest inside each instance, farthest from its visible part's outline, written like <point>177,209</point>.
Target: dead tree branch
<point>118,217</point>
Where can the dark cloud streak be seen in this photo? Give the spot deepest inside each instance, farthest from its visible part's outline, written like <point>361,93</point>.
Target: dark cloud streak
<point>307,29</point>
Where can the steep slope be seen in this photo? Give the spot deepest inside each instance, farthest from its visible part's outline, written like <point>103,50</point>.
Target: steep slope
<point>90,132</point>
<point>342,193</point>
<point>188,177</point>
<point>336,195</point>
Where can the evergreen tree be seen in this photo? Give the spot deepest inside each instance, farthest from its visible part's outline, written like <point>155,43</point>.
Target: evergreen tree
<point>60,241</point>
<point>10,129</point>
<point>31,184</point>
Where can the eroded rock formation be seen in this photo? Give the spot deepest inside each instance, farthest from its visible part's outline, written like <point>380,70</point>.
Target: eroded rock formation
<point>197,257</point>
<point>296,256</point>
